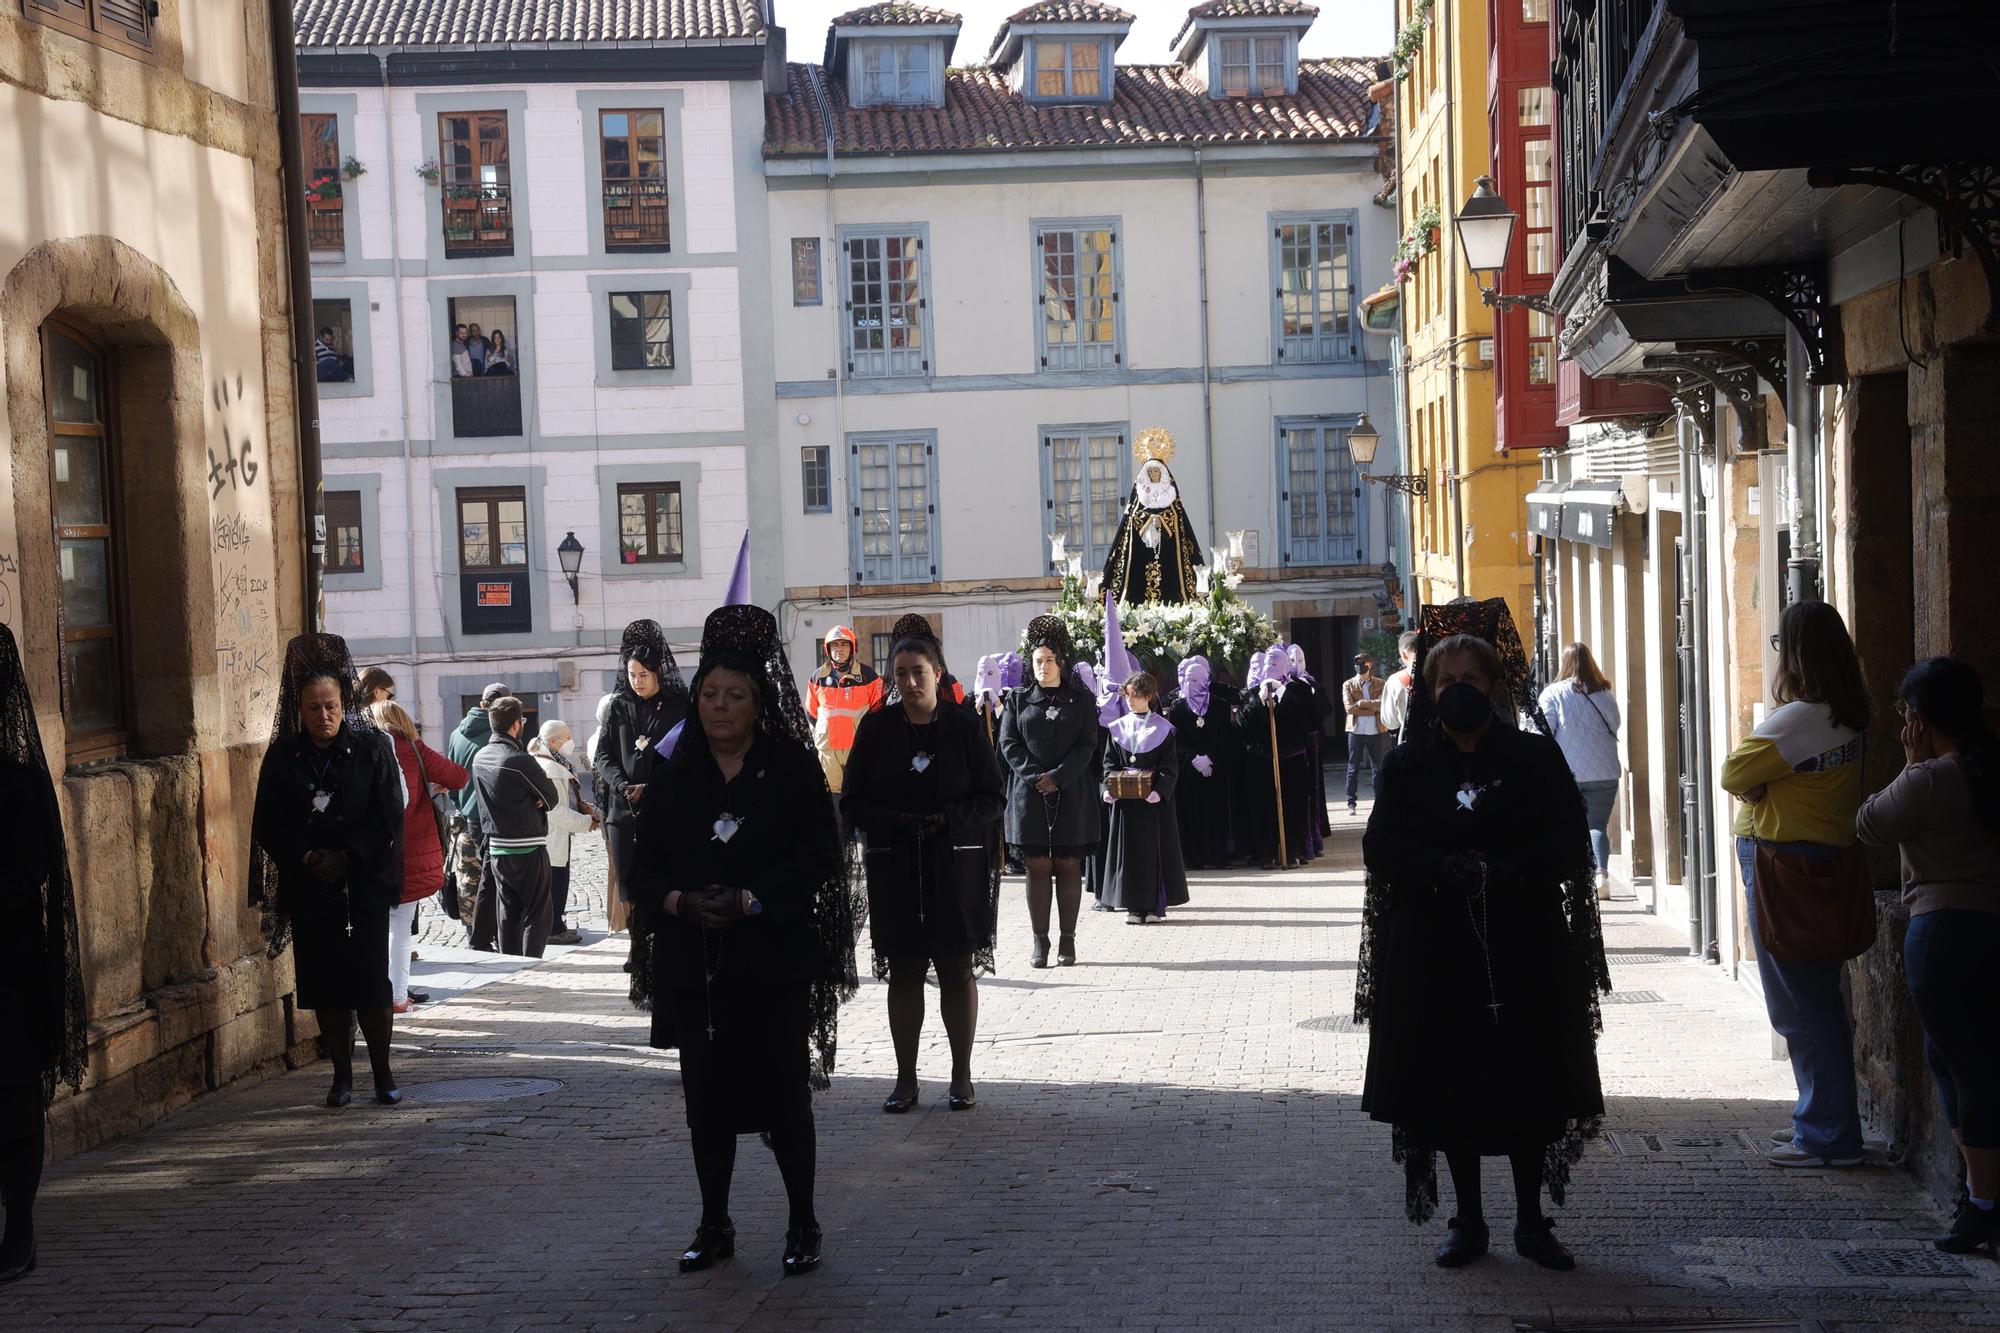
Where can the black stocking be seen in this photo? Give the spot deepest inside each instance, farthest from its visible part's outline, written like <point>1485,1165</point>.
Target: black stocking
<point>1069,894</point>
<point>797,1149</point>
<point>1039,892</point>
<point>22,1136</point>
<point>1527,1186</point>
<point>336,1036</point>
<point>377,1025</point>
<point>714,1166</point>
<point>1464,1164</point>
<point>906,1017</point>
<point>959,1003</point>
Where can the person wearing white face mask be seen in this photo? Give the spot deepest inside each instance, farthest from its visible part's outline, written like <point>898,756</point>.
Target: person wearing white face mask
<point>567,818</point>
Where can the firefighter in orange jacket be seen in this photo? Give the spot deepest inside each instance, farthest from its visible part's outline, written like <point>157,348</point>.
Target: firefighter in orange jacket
<point>837,698</point>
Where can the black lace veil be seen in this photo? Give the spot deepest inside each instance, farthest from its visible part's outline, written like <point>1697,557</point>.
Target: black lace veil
<point>1488,620</point>
<point>65,1029</point>
<point>746,639</point>
<point>646,643</point>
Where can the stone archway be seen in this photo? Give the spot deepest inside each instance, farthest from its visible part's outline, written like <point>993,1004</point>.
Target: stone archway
<point>157,388</point>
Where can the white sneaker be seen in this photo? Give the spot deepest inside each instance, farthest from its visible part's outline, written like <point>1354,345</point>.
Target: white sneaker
<point>1791,1154</point>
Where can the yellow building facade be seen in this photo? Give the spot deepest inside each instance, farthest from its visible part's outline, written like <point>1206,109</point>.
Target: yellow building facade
<point>1469,534</point>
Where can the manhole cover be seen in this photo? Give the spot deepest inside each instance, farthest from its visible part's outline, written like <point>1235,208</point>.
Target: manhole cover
<point>479,1089</point>
<point>1631,997</point>
<point>1896,1263</point>
<point>1332,1023</point>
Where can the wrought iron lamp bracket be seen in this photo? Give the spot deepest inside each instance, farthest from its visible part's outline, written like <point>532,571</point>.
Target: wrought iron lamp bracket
<point>1736,382</point>
<point>1798,293</point>
<point>1964,195</point>
<point>1500,300</point>
<point>1414,485</point>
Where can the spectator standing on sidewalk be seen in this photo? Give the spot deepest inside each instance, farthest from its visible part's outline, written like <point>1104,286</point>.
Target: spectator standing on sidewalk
<point>1798,775</point>
<point>470,737</point>
<point>1583,717</point>
<point>43,1030</point>
<point>652,699</point>
<point>1943,814</point>
<point>1396,690</point>
<point>374,686</point>
<point>1361,700</point>
<point>741,877</point>
<point>515,798</point>
<point>838,696</point>
<point>1049,740</point>
<point>424,769</point>
<point>1144,874</point>
<point>568,817</point>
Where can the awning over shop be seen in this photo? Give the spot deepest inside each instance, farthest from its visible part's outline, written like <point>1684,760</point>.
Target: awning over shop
<point>1545,509</point>
<point>1588,511</point>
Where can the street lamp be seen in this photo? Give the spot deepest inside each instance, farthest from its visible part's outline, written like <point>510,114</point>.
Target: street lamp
<point>1485,232</point>
<point>570,552</point>
<point>1362,441</point>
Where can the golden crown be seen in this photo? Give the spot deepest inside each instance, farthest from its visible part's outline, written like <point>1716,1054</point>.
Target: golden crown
<point>1154,442</point>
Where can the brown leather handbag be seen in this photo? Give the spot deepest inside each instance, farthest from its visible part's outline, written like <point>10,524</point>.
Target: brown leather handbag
<point>1814,910</point>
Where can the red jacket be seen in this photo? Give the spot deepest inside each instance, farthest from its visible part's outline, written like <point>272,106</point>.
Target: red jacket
<point>423,858</point>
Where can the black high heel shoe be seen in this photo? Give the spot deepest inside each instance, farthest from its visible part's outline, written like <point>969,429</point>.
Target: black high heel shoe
<point>709,1245</point>
<point>965,1102</point>
<point>1066,951</point>
<point>802,1246</point>
<point>895,1105</point>
<point>1537,1241</point>
<point>388,1096</point>
<point>15,1272</point>
<point>340,1094</point>
<point>1039,955</point>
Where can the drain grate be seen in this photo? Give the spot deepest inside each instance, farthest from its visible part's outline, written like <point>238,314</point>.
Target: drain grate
<point>1618,960</point>
<point>1332,1023</point>
<point>478,1090</point>
<point>1896,1263</point>
<point>1631,997</point>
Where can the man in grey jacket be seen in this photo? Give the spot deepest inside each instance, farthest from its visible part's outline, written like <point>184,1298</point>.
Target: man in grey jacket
<point>515,798</point>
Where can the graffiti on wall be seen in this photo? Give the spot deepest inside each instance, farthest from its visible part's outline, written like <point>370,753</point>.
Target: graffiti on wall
<point>246,649</point>
<point>10,577</point>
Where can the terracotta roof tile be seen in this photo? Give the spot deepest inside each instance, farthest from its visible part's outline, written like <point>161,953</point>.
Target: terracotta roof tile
<point>895,13</point>
<point>1152,105</point>
<point>1245,9</point>
<point>339,23</point>
<point>1060,11</point>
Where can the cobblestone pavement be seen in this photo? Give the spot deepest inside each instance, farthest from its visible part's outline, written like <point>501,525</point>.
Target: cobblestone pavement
<point>1167,1137</point>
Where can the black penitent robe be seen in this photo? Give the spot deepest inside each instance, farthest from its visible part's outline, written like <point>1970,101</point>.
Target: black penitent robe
<point>932,893</point>
<point>1444,1067</point>
<point>1052,731</point>
<point>1294,713</point>
<point>1202,804</point>
<point>340,931</point>
<point>1143,870</point>
<point>750,981</point>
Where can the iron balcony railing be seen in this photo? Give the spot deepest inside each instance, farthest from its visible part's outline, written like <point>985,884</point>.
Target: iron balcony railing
<point>1600,48</point>
<point>484,405</point>
<point>326,228</point>
<point>635,215</point>
<point>478,219</point>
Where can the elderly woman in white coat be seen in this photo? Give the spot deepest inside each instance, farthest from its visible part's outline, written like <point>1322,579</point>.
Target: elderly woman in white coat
<point>573,815</point>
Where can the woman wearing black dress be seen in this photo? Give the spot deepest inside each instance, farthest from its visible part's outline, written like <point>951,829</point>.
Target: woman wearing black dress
<point>650,698</point>
<point>326,862</point>
<point>742,882</point>
<point>925,787</point>
<point>1144,874</point>
<point>43,1031</point>
<point>1048,738</point>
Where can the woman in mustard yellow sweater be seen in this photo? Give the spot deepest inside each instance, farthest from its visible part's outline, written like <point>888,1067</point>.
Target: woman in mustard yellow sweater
<point>1799,778</point>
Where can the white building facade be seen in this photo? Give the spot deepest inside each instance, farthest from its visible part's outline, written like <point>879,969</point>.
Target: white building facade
<point>595,196</point>
<point>989,280</point>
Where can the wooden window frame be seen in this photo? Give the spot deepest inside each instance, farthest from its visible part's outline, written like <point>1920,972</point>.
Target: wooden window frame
<point>86,19</point>
<point>326,221</point>
<point>906,57</point>
<point>885,276</point>
<point>1091,496</point>
<point>1078,242</point>
<point>334,527</point>
<point>1251,64</point>
<point>454,199</point>
<point>89,746</point>
<point>1326,306</point>
<point>816,457</point>
<point>808,276</point>
<point>639,242</point>
<point>653,553</point>
<point>492,497</point>
<point>1336,490</point>
<point>1064,66</point>
<point>642,319</point>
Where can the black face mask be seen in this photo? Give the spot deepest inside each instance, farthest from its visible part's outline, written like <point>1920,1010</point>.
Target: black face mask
<point>1463,708</point>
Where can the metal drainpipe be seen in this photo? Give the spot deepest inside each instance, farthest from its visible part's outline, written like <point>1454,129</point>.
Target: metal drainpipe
<point>298,255</point>
<point>1207,390</point>
<point>1802,575</point>
<point>402,378</point>
<point>1704,892</point>
<point>815,76</point>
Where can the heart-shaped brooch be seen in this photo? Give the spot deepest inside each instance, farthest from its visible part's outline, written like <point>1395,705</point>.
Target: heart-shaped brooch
<point>919,762</point>
<point>321,800</point>
<point>725,827</point>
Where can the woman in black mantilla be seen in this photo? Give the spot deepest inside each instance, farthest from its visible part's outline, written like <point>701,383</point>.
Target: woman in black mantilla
<point>326,861</point>
<point>43,1031</point>
<point>925,787</point>
<point>741,879</point>
<point>1481,952</point>
<point>1143,871</point>
<point>1048,738</point>
<point>649,699</point>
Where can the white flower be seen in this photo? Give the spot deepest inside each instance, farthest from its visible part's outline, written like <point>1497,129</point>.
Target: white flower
<point>1233,581</point>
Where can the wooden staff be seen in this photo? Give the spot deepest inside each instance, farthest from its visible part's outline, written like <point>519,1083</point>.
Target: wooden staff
<point>1277,783</point>
<point>999,857</point>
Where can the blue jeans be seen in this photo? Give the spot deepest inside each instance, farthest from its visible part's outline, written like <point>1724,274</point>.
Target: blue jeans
<point>1948,958</point>
<point>1809,1011</point>
<point>1372,748</point>
<point>1598,799</point>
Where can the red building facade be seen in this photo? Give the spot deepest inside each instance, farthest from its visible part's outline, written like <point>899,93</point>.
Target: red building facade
<point>1521,113</point>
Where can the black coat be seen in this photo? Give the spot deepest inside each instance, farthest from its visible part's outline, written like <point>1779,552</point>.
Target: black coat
<point>340,931</point>
<point>27,996</point>
<point>931,892</point>
<point>1294,713</point>
<point>1144,871</point>
<point>626,749</point>
<point>1203,805</point>
<point>1051,731</point>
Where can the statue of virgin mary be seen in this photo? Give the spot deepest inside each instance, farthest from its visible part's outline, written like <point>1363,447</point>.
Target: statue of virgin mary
<point>1155,553</point>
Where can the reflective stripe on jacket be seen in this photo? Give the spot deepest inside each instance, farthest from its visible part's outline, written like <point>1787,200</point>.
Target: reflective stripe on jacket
<point>837,701</point>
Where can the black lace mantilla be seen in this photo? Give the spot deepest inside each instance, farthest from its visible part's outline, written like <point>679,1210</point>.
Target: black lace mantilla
<point>66,1032</point>
<point>1488,620</point>
<point>1048,631</point>
<point>645,642</point>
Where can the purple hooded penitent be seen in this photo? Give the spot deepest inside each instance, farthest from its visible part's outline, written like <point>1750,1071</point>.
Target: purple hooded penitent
<point>1195,676</point>
<point>1013,671</point>
<point>1296,656</point>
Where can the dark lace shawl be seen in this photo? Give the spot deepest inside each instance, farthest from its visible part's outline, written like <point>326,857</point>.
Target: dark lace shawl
<point>1047,631</point>
<point>1488,620</point>
<point>746,639</point>
<point>307,656</point>
<point>646,643</point>
<point>65,1029</point>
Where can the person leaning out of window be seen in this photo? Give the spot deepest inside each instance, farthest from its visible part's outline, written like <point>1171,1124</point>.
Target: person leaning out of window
<point>1942,813</point>
<point>1798,775</point>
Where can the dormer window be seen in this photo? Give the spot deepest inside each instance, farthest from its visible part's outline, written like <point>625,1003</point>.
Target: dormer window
<point>1069,69</point>
<point>1245,48</point>
<point>1249,65</point>
<point>894,73</point>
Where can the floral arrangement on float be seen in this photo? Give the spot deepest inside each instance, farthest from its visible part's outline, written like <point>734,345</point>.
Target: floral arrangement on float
<point>1218,624</point>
